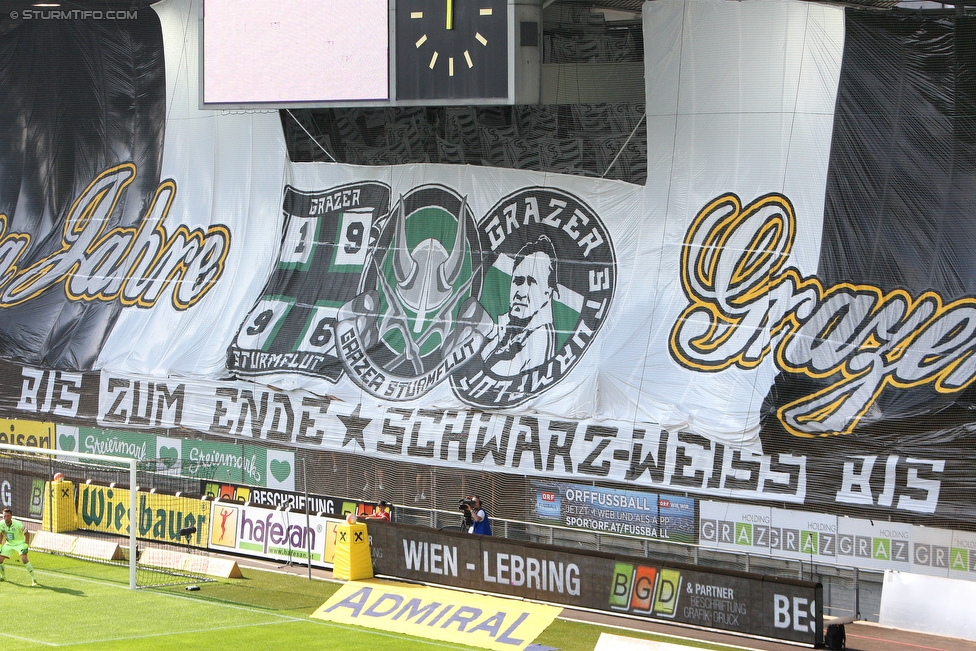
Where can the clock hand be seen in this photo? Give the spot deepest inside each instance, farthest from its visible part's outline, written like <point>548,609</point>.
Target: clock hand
<point>450,14</point>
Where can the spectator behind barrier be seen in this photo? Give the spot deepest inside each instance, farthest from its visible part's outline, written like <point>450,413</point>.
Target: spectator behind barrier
<point>381,512</point>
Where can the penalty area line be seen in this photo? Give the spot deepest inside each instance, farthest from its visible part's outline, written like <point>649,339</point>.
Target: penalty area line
<point>27,639</point>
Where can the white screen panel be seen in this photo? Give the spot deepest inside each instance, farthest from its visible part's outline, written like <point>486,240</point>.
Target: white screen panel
<point>295,51</point>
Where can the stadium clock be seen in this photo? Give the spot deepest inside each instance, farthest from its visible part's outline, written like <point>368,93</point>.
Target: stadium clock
<point>451,49</point>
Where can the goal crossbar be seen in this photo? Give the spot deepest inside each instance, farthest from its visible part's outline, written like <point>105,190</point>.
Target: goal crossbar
<point>133,484</point>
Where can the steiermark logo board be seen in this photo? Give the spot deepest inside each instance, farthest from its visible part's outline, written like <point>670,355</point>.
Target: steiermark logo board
<point>224,462</point>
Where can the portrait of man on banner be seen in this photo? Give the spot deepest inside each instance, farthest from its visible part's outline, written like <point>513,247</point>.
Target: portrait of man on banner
<point>525,336</point>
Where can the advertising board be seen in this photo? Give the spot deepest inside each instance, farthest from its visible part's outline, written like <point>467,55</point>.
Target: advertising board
<point>274,498</point>
<point>161,517</point>
<point>734,601</point>
<point>615,510</point>
<point>469,619</point>
<point>254,465</point>
<point>831,540</point>
<point>22,493</point>
<point>272,533</point>
<point>766,531</point>
<point>34,434</point>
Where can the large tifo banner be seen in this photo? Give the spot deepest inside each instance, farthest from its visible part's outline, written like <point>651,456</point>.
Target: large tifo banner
<point>733,601</point>
<point>785,314</point>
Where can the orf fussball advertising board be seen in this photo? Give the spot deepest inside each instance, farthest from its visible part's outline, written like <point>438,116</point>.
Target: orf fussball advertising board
<point>786,609</point>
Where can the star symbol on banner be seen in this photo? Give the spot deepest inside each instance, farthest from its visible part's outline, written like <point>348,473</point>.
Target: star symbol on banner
<point>354,427</point>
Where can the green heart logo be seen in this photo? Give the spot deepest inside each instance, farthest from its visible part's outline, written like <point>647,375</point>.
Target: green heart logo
<point>280,470</point>
<point>169,456</point>
<point>66,443</point>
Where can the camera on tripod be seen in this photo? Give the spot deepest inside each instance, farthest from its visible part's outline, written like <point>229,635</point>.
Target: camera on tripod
<point>465,504</point>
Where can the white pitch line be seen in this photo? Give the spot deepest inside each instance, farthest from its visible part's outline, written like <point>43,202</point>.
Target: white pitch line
<point>289,618</point>
<point>27,639</point>
<point>174,596</point>
<point>149,635</point>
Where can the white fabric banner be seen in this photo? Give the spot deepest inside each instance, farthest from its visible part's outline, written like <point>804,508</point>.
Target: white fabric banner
<point>228,168</point>
<point>525,444</point>
<point>601,346</point>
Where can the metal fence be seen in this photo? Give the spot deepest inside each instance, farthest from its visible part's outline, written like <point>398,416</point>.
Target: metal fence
<point>427,496</point>
<point>847,590</point>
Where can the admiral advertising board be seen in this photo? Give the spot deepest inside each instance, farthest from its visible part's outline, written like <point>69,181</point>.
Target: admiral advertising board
<point>734,601</point>
<point>472,620</point>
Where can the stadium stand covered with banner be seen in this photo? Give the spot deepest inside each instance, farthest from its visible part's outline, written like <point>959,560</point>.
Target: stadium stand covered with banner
<point>764,319</point>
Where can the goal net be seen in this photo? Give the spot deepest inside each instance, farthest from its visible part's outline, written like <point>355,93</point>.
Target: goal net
<point>86,506</point>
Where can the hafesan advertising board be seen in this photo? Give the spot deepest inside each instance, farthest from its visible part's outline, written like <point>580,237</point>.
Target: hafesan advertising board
<point>276,534</point>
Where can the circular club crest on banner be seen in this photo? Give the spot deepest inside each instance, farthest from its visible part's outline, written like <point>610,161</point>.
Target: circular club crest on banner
<point>549,279</point>
<point>400,336</point>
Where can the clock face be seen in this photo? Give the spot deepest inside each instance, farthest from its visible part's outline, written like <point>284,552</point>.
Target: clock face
<point>452,49</point>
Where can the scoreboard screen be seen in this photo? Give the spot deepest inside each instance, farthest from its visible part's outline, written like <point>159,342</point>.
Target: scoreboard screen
<point>294,52</point>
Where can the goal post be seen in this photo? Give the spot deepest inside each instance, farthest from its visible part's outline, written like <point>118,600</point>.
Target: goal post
<point>101,458</point>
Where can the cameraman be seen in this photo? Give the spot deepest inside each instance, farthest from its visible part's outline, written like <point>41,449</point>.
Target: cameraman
<point>473,512</point>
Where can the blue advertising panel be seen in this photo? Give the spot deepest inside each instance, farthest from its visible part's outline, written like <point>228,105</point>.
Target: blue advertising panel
<point>615,510</point>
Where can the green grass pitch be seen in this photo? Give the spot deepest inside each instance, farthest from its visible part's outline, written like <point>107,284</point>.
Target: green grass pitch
<point>82,605</point>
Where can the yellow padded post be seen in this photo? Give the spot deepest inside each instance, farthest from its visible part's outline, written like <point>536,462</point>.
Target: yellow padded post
<point>352,560</point>
<point>59,506</point>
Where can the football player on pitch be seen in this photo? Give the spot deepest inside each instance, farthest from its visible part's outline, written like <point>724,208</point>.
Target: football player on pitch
<point>14,538</point>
